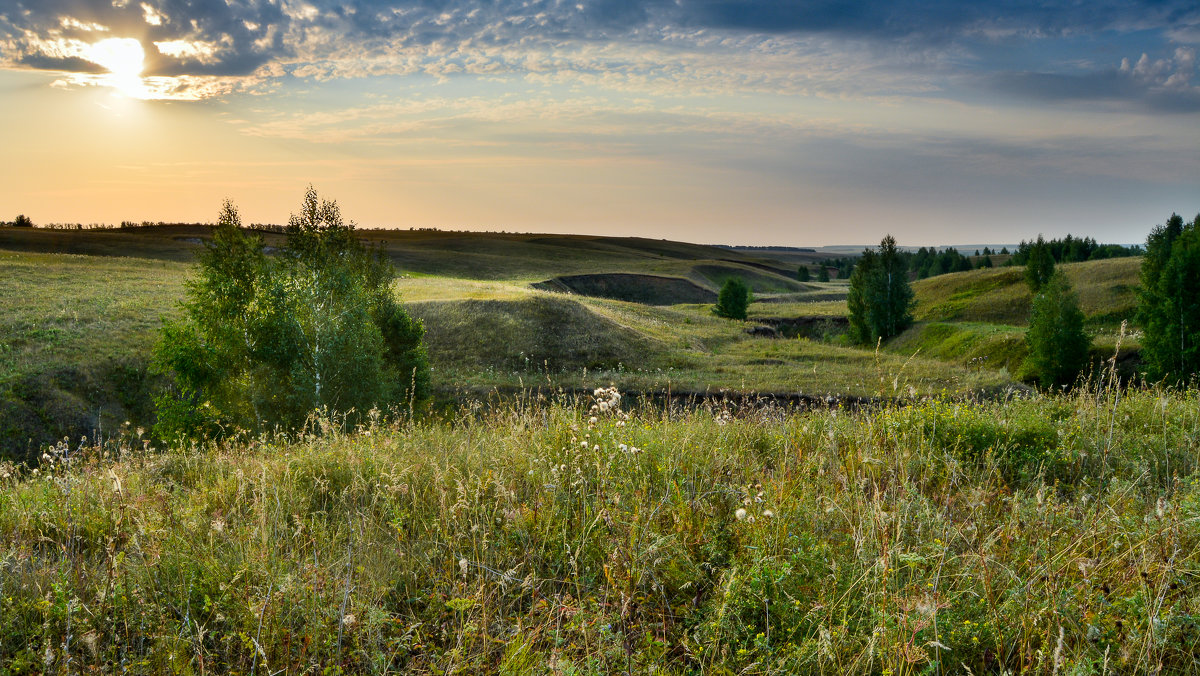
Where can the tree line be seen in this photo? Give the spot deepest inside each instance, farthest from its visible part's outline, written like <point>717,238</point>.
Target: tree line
<point>1071,249</point>
<point>880,301</point>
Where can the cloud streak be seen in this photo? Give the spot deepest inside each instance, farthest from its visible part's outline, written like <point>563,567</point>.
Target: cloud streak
<point>819,47</point>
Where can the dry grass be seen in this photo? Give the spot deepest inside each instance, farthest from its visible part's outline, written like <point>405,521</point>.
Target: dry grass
<point>1051,535</point>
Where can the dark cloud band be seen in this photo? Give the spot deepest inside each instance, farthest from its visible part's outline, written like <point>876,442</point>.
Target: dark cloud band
<point>239,37</point>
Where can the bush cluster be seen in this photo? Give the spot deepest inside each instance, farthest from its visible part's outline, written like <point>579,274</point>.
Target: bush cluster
<point>265,341</point>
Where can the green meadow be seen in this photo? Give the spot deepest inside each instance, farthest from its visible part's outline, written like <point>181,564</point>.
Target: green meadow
<point>503,312</point>
<point>609,481</point>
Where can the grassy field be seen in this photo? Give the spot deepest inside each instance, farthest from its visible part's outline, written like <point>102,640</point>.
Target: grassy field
<point>78,328</point>
<point>544,524</point>
<point>75,336</point>
<point>1044,535</point>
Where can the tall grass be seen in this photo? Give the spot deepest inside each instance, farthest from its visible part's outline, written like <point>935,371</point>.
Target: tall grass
<point>1053,535</point>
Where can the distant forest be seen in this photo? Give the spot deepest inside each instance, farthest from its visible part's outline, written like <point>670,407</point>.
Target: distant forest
<point>1076,250</point>
<point>931,262</point>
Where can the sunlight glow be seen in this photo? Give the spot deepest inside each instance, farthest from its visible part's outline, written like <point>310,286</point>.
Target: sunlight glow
<point>124,58</point>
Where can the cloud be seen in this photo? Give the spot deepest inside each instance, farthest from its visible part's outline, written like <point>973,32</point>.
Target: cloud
<point>244,30</point>
<point>1163,85</point>
<point>828,47</point>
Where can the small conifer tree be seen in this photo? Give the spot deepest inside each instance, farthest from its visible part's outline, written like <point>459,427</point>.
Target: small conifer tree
<point>802,274</point>
<point>880,298</point>
<point>1058,345</point>
<point>1040,267</point>
<point>733,300</point>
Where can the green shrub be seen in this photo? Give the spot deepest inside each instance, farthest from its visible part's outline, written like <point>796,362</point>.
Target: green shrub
<point>733,300</point>
<point>265,341</point>
<point>1058,345</point>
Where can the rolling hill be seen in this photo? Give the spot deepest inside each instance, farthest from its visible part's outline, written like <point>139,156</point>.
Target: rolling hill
<point>506,311</point>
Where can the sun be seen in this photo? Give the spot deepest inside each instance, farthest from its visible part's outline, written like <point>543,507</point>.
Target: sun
<point>124,58</point>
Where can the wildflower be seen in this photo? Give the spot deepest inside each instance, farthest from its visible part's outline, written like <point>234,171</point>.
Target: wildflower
<point>768,513</point>
<point>740,514</point>
<point>462,566</point>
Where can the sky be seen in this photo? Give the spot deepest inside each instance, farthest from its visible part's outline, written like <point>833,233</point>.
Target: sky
<point>759,122</point>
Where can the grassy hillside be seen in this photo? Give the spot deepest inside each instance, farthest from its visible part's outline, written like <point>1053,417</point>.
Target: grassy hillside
<point>75,335</point>
<point>546,339</point>
<point>977,319</point>
<point>78,329</point>
<point>1042,535</point>
<point>469,255</point>
<point>1000,295</point>
<point>538,332</point>
<point>78,332</point>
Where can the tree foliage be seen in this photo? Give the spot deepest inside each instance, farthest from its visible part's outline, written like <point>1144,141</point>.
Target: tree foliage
<point>264,341</point>
<point>822,273</point>
<point>733,300</point>
<point>842,267</point>
<point>1071,249</point>
<point>1039,266</point>
<point>1169,308</point>
<point>880,298</point>
<point>931,263</point>
<point>802,274</point>
<point>22,221</point>
<point>1058,345</point>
